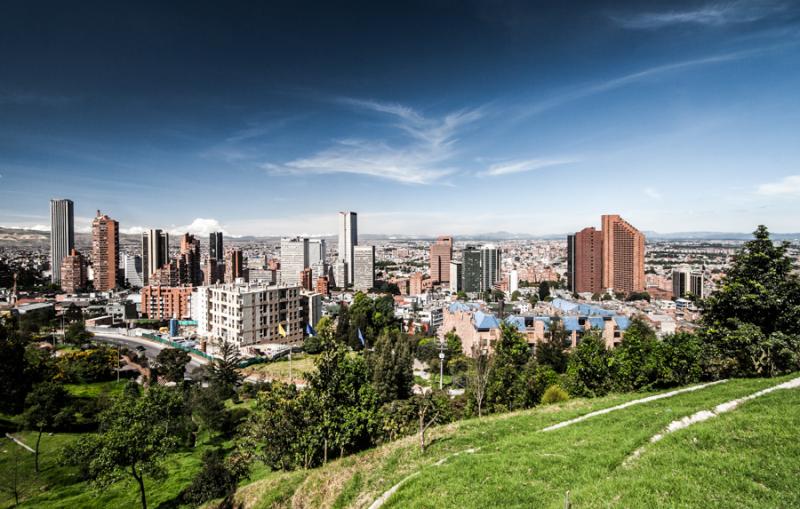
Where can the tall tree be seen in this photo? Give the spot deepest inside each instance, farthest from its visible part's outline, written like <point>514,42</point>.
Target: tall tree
<point>47,407</point>
<point>391,366</point>
<point>588,371</point>
<point>478,377</point>
<point>506,385</point>
<point>134,440</point>
<point>172,362</point>
<point>223,372</point>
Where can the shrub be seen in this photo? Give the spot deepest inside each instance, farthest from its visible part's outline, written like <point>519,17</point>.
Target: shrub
<point>554,394</point>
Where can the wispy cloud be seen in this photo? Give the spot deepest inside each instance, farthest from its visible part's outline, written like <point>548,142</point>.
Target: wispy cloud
<point>713,14</point>
<point>628,79</point>
<point>199,226</point>
<point>787,186</point>
<point>520,166</point>
<point>427,155</point>
<point>652,193</point>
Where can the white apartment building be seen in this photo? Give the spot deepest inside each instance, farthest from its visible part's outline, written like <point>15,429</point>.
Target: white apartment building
<point>294,258</point>
<point>364,273</point>
<point>248,314</point>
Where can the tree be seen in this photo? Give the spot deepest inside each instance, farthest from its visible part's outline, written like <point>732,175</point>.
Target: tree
<point>223,372</point>
<point>506,385</point>
<point>73,314</point>
<point>432,408</point>
<point>552,351</point>
<point>588,370</point>
<point>47,406</point>
<point>172,362</point>
<point>135,439</point>
<point>478,378</point>
<point>461,295</point>
<point>14,380</point>
<point>208,408</point>
<point>216,479</point>
<point>544,290</point>
<point>391,366</point>
<point>681,359</point>
<point>759,288</point>
<point>76,333</point>
<point>515,295</point>
<point>636,361</point>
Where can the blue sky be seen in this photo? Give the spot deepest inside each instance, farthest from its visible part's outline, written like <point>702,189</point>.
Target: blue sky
<point>437,117</point>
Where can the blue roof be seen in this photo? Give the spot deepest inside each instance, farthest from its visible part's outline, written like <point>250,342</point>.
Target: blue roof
<point>580,309</point>
<point>485,321</point>
<point>517,321</point>
<point>571,323</point>
<point>597,322</point>
<point>461,306</point>
<point>623,322</point>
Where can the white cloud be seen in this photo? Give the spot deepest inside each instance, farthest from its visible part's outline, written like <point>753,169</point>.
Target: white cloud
<point>652,193</point>
<point>714,14</point>
<point>628,79</point>
<point>427,156</point>
<point>787,186</point>
<point>511,167</point>
<point>200,226</point>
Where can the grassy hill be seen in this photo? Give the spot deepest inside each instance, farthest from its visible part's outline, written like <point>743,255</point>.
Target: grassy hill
<point>749,457</point>
<point>746,458</point>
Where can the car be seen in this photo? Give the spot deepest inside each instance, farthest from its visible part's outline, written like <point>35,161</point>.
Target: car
<point>140,349</point>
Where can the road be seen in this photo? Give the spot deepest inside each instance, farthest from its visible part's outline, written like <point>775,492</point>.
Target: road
<point>151,348</point>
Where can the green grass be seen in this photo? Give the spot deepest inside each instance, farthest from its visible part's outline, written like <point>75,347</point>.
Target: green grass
<point>516,465</point>
<point>301,364</point>
<point>93,390</point>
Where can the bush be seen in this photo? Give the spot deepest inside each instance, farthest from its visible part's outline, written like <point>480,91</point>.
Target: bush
<point>554,394</point>
<point>215,480</point>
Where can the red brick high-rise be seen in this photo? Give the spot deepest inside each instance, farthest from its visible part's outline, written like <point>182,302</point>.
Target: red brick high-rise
<point>105,252</point>
<point>441,255</point>
<point>190,257</point>
<point>73,272</point>
<point>323,285</point>
<point>307,279</point>
<point>234,265</point>
<point>589,261</point>
<point>623,255</point>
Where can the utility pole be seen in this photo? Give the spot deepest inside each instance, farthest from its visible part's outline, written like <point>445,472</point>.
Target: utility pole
<point>441,362</point>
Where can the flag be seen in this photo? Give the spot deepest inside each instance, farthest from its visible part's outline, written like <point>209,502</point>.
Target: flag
<point>361,338</point>
<point>310,330</point>
<point>281,330</point>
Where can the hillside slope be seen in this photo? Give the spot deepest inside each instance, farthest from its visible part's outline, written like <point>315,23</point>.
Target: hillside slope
<point>749,457</point>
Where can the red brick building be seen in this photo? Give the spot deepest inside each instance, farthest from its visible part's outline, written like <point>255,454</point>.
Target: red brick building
<point>73,272</point>
<point>165,302</point>
<point>105,253</point>
<point>441,255</point>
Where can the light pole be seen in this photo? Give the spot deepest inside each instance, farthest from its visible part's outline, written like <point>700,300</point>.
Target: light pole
<point>441,363</point>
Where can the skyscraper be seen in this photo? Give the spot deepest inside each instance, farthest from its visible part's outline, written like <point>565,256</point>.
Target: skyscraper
<point>234,265</point>
<point>215,249</point>
<point>456,276</point>
<point>680,282</point>
<point>490,267</point>
<point>105,253</point>
<point>588,265</point>
<point>155,252</point>
<point>471,269</point>
<point>190,258</point>
<point>623,255</point>
<point>133,270</point>
<point>62,235</point>
<point>441,254</point>
<point>317,257</point>
<point>364,259</point>
<point>348,239</point>
<point>73,272</point>
<point>571,263</point>
<point>294,259</point>
<point>696,282</point>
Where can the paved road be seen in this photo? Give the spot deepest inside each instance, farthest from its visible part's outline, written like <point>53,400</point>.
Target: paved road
<point>151,348</point>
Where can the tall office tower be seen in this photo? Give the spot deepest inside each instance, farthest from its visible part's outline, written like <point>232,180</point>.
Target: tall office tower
<point>73,272</point>
<point>441,254</point>
<point>214,272</point>
<point>317,257</point>
<point>340,270</point>
<point>190,257</point>
<point>234,265</point>
<point>471,269</point>
<point>415,283</point>
<point>294,259</point>
<point>307,279</point>
<point>215,249</point>
<point>571,263</point>
<point>456,276</point>
<point>513,281</point>
<point>490,267</point>
<point>155,252</point>
<point>588,261</point>
<point>348,239</point>
<point>680,282</point>
<point>364,260</point>
<point>623,255</point>
<point>696,282</point>
<point>133,270</point>
<point>105,253</point>
<point>62,235</point>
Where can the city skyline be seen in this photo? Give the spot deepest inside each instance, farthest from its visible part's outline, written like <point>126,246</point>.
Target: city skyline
<point>676,116</point>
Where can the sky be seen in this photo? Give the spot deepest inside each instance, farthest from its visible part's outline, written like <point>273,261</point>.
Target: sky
<point>430,117</point>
